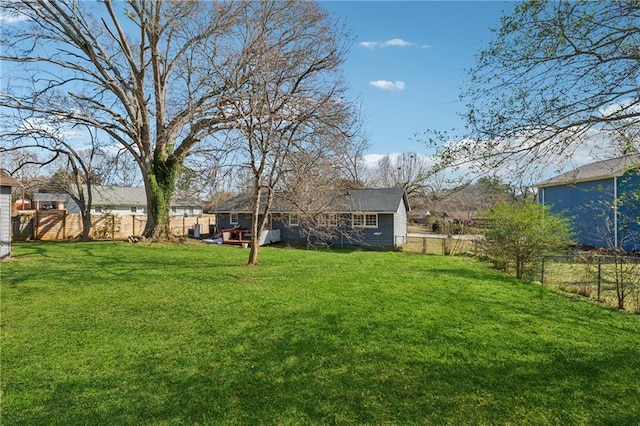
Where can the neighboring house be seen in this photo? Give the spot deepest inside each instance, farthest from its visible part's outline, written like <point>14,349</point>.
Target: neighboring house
<point>117,200</point>
<point>47,201</point>
<point>375,217</point>
<point>602,199</point>
<point>6,183</point>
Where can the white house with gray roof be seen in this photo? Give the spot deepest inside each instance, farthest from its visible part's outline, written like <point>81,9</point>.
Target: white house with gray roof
<point>118,200</point>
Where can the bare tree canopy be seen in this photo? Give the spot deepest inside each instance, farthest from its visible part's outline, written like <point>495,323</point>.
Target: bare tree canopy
<point>291,106</point>
<point>165,80</point>
<point>558,76</point>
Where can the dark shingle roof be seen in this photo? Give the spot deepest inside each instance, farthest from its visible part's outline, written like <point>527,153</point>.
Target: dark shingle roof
<point>600,170</point>
<point>375,200</point>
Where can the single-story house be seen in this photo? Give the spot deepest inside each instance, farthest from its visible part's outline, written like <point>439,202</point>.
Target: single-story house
<point>602,199</point>
<point>6,183</point>
<point>373,217</point>
<point>117,200</point>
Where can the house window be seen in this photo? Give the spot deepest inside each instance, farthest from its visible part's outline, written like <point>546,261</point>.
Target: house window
<point>234,218</point>
<point>133,209</point>
<point>329,220</point>
<point>294,220</point>
<point>174,210</point>
<point>98,209</point>
<point>361,220</point>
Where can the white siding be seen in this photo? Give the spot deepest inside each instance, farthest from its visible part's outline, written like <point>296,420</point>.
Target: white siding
<point>5,221</point>
<point>185,211</point>
<point>400,224</point>
<point>120,210</point>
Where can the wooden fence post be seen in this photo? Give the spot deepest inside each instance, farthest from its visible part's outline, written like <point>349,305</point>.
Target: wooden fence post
<point>424,245</point>
<point>113,226</point>
<point>64,225</point>
<point>133,224</point>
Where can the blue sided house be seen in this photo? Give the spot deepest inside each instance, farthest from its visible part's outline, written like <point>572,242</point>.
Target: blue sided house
<point>369,218</point>
<point>603,201</point>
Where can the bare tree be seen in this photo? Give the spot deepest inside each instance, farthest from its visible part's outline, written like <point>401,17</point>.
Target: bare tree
<point>558,76</point>
<point>162,77</point>
<point>158,77</point>
<point>407,170</point>
<point>291,105</point>
<point>24,165</point>
<point>116,167</point>
<point>313,188</point>
<point>76,176</point>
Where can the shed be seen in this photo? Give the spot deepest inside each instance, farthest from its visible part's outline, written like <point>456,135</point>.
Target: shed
<point>602,199</point>
<point>6,183</point>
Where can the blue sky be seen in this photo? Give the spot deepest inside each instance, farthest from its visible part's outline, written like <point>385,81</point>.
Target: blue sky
<point>407,65</point>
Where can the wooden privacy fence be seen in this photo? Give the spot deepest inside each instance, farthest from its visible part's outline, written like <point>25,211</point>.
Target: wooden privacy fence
<point>57,225</point>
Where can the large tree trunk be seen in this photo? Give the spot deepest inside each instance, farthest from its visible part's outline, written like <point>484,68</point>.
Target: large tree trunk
<point>255,234</point>
<point>258,222</point>
<point>86,225</point>
<point>159,185</point>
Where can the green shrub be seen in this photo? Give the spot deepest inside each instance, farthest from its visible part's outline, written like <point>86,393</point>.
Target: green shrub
<point>520,234</point>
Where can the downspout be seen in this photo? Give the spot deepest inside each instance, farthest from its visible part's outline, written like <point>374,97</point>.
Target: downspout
<point>615,212</point>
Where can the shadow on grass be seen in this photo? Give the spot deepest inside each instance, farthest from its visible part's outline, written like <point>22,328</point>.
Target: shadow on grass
<point>310,375</point>
<point>343,361</point>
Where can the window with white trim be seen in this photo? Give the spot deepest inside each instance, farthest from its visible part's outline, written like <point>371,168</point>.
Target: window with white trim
<point>362,220</point>
<point>294,220</point>
<point>234,219</point>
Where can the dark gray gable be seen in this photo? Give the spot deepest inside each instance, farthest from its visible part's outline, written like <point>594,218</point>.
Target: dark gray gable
<point>375,200</point>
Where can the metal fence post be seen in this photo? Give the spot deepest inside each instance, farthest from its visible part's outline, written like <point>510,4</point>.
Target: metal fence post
<point>599,275</point>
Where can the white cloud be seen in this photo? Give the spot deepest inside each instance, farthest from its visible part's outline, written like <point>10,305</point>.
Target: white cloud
<point>371,160</point>
<point>369,44</point>
<point>394,42</point>
<point>388,85</point>
<point>626,106</point>
<point>62,131</point>
<point>12,16</point>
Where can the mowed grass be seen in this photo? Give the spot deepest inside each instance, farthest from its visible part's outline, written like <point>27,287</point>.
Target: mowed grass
<point>115,333</point>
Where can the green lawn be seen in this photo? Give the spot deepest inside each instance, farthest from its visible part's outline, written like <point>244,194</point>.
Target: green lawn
<point>115,333</point>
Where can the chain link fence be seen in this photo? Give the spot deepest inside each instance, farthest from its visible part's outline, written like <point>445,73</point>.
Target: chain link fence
<point>610,279</point>
<point>439,244</point>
